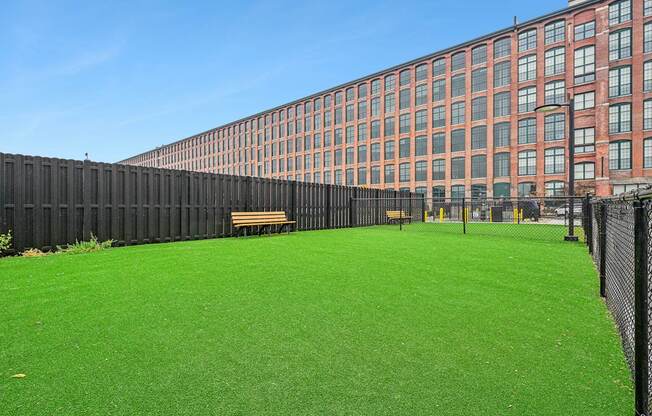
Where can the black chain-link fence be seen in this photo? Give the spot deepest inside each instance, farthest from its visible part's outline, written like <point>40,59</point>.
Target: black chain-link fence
<point>621,246</point>
<point>550,218</point>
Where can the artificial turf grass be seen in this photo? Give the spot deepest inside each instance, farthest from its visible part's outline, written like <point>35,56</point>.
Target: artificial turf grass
<point>357,321</point>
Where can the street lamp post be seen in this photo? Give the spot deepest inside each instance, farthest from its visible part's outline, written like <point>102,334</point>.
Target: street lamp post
<point>571,160</point>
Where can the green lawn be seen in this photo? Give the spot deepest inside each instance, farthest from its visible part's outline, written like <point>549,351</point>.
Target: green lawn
<point>367,321</point>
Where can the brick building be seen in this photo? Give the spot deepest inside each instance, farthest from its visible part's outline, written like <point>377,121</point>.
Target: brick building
<point>461,121</point>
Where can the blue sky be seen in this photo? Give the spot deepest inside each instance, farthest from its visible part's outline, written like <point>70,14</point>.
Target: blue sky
<point>118,78</point>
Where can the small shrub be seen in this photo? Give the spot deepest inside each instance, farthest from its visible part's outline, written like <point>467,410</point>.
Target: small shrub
<point>33,252</point>
<point>80,247</point>
<point>5,242</point>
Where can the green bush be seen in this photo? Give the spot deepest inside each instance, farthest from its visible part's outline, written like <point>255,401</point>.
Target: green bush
<point>80,247</point>
<point>5,242</point>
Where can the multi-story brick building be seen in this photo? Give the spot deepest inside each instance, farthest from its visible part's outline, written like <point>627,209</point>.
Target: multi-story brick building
<point>461,121</point>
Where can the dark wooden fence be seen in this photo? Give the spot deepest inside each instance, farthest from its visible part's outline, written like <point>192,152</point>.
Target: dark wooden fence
<point>47,202</point>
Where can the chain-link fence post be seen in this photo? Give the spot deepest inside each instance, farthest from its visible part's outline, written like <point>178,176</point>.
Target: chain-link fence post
<point>641,367</point>
<point>602,243</point>
<point>587,217</point>
<point>464,214</point>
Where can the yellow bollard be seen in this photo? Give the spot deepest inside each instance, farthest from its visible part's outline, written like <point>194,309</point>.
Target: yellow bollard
<point>515,215</point>
<point>466,215</point>
<point>521,215</point>
<point>491,215</point>
<point>441,215</point>
<point>425,216</point>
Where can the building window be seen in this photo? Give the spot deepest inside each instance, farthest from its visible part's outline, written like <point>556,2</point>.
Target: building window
<point>527,163</point>
<point>585,65</point>
<point>555,127</point>
<point>527,131</point>
<point>390,127</point>
<point>439,90</point>
<point>554,188</point>
<point>404,123</point>
<point>405,77</point>
<point>526,189</point>
<point>404,172</point>
<point>555,61</point>
<point>647,153</point>
<point>647,76</point>
<point>479,80</point>
<point>502,47</point>
<point>404,99</point>
<point>349,95</point>
<point>527,99</point>
<point>375,107</point>
<point>349,114</point>
<point>457,191</point>
<point>555,92</point>
<point>458,61</point>
<point>390,84</point>
<point>420,171</point>
<point>479,137</point>
<point>421,72</point>
<point>362,176</point>
<point>620,155</point>
<point>350,156</point>
<point>647,7</point>
<point>421,146</point>
<point>584,31</point>
<point>479,108</point>
<point>438,143</point>
<point>390,103</point>
<point>620,12</point>
<point>458,138</point>
<point>501,165</point>
<point>389,150</point>
<point>555,32</point>
<point>585,101</point>
<point>527,40</point>
<point>375,152</point>
<point>620,44</point>
<point>375,129</point>
<point>647,38</point>
<point>647,114</point>
<point>362,153</point>
<point>502,74</point>
<point>362,91</point>
<point>554,161</point>
<point>620,118</point>
<point>438,169</point>
<point>362,110</point>
<point>349,136</point>
<point>421,95</point>
<point>479,166</point>
<point>458,113</point>
<point>421,120</point>
<point>585,140</point>
<point>457,168</point>
<point>375,87</point>
<point>439,117</point>
<point>438,192</point>
<point>362,132</point>
<point>527,68</point>
<point>502,190</point>
<point>458,85</point>
<point>479,55</point>
<point>502,134</point>
<point>584,171</point>
<point>375,175</point>
<point>439,67</point>
<point>620,81</point>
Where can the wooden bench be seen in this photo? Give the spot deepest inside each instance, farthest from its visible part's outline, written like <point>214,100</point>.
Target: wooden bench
<point>395,216</point>
<point>242,221</point>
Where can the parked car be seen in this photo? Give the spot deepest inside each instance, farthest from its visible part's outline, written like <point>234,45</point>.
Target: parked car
<point>563,210</point>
